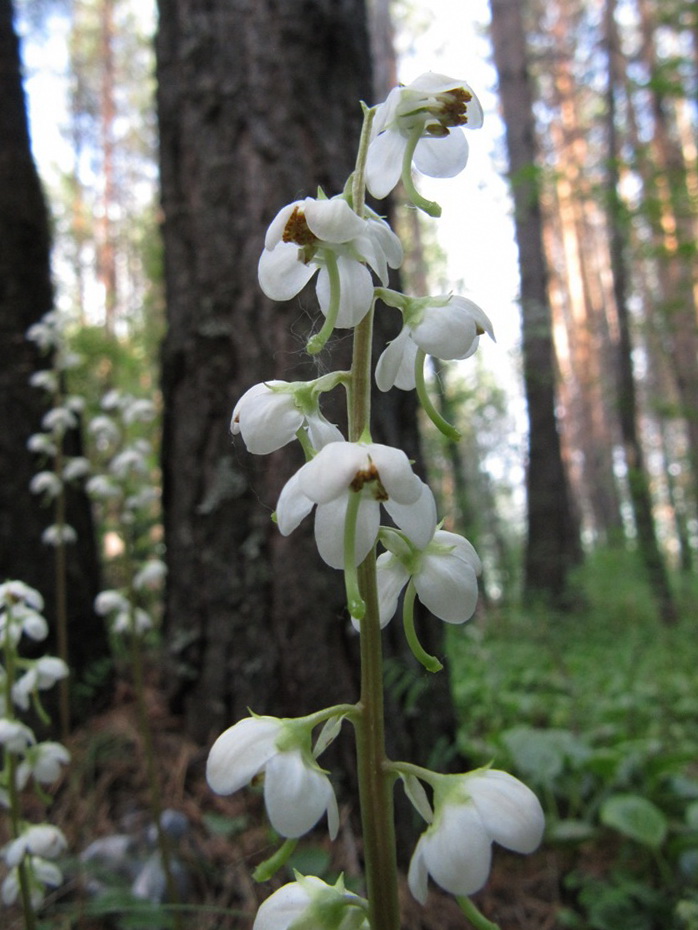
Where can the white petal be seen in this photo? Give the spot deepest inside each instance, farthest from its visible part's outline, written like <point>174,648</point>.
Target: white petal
<point>434,83</point>
<point>281,273</point>
<point>241,752</point>
<point>282,908</point>
<point>392,578</point>
<point>395,366</point>
<point>384,162</point>
<point>330,473</point>
<point>295,795</point>
<point>458,851</point>
<point>355,289</point>
<point>417,520</point>
<point>293,505</point>
<point>418,875</point>
<point>442,156</point>
<point>509,810</point>
<point>447,586</point>
<point>329,529</point>
<point>278,224</point>
<point>321,432</point>
<point>396,474</point>
<point>269,421</point>
<point>446,332</point>
<point>332,220</point>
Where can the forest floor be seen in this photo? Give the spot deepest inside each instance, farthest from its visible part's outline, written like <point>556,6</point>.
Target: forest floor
<point>105,792</point>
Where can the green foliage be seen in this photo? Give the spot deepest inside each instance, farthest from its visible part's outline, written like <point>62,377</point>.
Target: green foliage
<point>598,712</point>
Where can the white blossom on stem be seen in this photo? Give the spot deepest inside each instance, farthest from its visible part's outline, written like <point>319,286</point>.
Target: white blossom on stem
<point>447,327</point>
<point>421,122</point>
<point>444,574</point>
<point>269,415</point>
<point>470,813</point>
<point>311,235</point>
<point>310,902</point>
<point>296,791</point>
<point>380,474</point>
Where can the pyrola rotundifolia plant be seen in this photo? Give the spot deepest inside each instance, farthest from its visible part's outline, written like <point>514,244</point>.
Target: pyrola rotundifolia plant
<point>362,495</point>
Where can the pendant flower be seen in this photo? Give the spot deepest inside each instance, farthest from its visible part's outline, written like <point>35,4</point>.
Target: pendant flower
<point>364,475</point>
<point>310,902</point>
<point>470,813</point>
<point>421,123</point>
<point>444,574</point>
<point>270,414</point>
<point>296,791</point>
<point>446,327</point>
<point>311,235</point>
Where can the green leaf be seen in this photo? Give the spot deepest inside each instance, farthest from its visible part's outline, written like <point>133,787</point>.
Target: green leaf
<point>570,831</point>
<point>636,818</point>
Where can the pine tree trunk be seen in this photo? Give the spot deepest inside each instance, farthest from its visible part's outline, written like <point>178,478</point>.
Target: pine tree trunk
<point>258,104</point>
<point>25,296</point>
<point>553,545</point>
<point>638,482</point>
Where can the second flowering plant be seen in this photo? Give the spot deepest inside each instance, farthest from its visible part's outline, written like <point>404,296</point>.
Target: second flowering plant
<point>365,495</point>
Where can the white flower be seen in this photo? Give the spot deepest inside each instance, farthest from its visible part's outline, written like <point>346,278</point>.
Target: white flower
<point>308,234</point>
<point>41,872</point>
<point>150,575</point>
<point>42,444</point>
<point>129,462</point>
<point>310,902</point>
<point>102,487</point>
<point>269,415</point>
<point>446,327</point>
<point>470,813</point>
<point>76,467</point>
<point>139,410</point>
<point>136,620</point>
<point>110,601</point>
<point>444,574</point>
<point>13,593</point>
<point>15,736</point>
<point>380,474</point>
<point>43,673</point>
<point>296,792</point>
<point>422,116</point>
<point>58,420</point>
<point>43,762</point>
<point>58,534</point>
<point>104,429</point>
<point>42,839</point>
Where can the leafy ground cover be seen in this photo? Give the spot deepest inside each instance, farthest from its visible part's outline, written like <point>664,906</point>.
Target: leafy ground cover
<point>598,712</point>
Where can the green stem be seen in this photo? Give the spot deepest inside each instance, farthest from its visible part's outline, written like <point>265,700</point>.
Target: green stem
<point>265,870</point>
<point>430,663</point>
<point>317,342</point>
<point>163,840</point>
<point>355,603</point>
<point>429,206</point>
<point>478,920</point>
<point>375,779</point>
<point>61,599</point>
<point>442,425</point>
<point>13,796</point>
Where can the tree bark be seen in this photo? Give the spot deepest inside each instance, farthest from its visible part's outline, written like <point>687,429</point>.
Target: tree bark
<point>26,294</point>
<point>258,104</point>
<point>553,545</point>
<point>638,482</point>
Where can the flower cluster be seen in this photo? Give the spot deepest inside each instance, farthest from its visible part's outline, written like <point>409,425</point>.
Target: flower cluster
<point>364,494</point>
<point>27,856</point>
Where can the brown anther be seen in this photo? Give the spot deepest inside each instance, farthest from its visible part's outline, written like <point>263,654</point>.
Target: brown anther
<point>365,476</point>
<point>455,106</point>
<point>297,229</point>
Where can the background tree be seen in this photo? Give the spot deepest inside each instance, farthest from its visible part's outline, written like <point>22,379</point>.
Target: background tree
<point>26,294</point>
<point>257,105</point>
<point>553,545</point>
